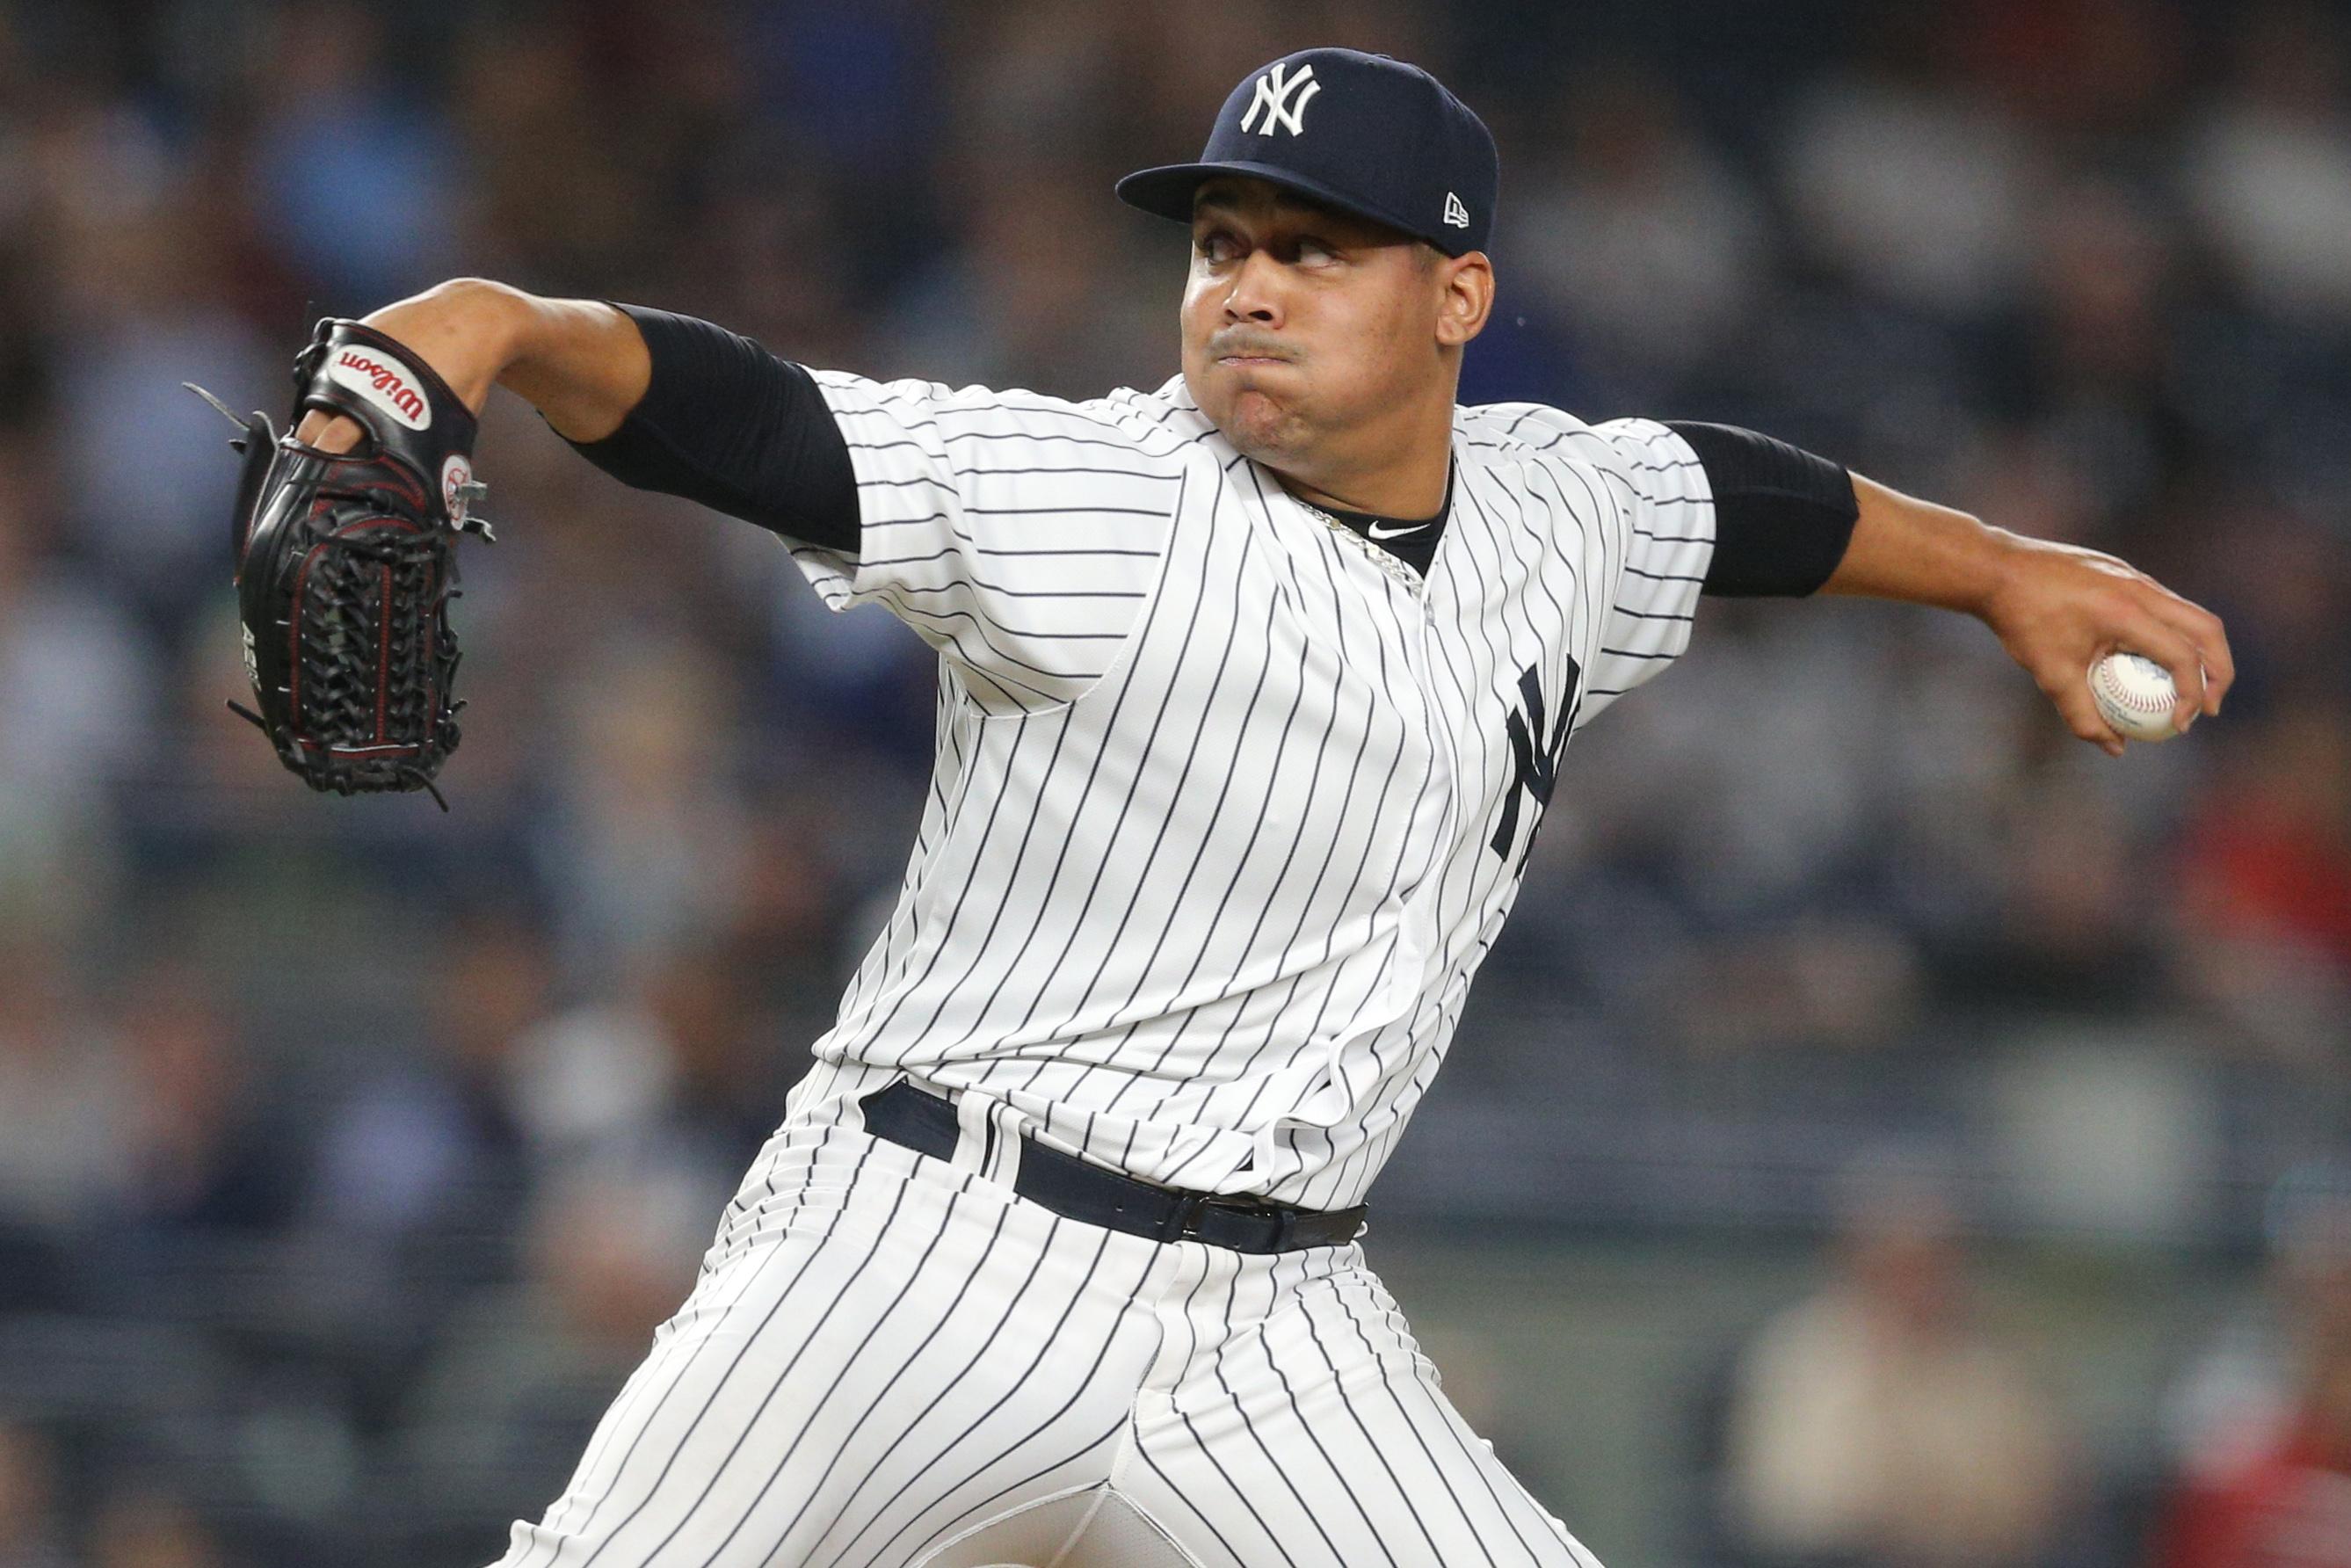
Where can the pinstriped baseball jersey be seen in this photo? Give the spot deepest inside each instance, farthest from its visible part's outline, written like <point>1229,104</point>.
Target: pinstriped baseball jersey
<point>1229,803</point>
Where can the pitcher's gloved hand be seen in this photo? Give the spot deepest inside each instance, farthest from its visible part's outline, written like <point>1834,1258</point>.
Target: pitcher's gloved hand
<point>346,562</point>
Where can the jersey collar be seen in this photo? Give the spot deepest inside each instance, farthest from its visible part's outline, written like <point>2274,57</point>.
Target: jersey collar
<point>1411,541</point>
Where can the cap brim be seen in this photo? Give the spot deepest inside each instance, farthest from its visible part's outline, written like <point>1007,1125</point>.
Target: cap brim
<point>1166,192</point>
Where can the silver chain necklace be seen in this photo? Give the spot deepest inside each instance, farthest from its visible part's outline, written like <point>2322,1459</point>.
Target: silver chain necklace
<point>1397,569</point>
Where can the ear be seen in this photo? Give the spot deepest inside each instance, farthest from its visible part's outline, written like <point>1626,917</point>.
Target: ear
<point>1466,296</point>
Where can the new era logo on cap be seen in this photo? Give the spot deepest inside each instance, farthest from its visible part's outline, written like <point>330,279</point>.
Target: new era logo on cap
<point>1283,98</point>
<point>1389,143</point>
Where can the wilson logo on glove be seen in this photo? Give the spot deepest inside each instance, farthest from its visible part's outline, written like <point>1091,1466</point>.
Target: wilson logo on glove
<point>390,387</point>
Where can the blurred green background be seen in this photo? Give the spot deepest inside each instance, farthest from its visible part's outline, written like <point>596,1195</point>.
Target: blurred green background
<point>1890,1133</point>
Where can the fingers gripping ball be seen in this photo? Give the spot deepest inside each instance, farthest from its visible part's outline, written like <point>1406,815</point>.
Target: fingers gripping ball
<point>2136,696</point>
<point>346,563</point>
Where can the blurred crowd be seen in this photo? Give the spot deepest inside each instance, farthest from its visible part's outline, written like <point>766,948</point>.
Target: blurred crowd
<point>348,1152</point>
<point>1899,1415</point>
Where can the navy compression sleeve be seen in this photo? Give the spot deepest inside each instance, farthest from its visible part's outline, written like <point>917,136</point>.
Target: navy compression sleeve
<point>725,423</point>
<point>1782,517</point>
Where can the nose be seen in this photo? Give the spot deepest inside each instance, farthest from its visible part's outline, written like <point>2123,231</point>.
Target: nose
<point>1256,292</point>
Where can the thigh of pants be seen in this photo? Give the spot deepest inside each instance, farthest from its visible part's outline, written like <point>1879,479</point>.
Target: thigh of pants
<point>887,1361</point>
<point>879,1348</point>
<point>1304,1426</point>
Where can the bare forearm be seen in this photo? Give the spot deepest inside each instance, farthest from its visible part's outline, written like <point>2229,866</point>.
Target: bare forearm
<point>580,363</point>
<point>1916,552</point>
<point>2056,608</point>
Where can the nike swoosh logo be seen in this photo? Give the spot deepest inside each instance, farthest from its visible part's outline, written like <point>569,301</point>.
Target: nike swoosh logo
<point>1395,533</point>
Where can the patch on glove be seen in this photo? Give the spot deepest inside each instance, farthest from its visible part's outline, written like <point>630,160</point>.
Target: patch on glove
<point>346,563</point>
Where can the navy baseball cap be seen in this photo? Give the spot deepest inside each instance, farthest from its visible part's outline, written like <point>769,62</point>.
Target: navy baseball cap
<point>1365,134</point>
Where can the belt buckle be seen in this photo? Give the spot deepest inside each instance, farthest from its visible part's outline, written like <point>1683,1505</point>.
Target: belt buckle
<point>1184,1223</point>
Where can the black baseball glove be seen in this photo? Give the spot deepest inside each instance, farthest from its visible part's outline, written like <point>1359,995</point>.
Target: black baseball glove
<point>346,563</point>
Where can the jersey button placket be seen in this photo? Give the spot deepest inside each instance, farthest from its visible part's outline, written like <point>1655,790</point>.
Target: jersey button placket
<point>1423,919</point>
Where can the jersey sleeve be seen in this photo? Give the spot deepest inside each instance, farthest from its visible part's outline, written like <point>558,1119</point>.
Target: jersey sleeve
<point>1667,517</point>
<point>1018,535</point>
<point>1643,490</point>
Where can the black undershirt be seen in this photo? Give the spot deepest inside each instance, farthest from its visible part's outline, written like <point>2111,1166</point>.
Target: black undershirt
<point>1782,517</point>
<point>1412,543</point>
<point>725,423</point>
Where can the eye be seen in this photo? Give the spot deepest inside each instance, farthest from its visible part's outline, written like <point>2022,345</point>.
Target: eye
<point>1312,252</point>
<point>1216,247</point>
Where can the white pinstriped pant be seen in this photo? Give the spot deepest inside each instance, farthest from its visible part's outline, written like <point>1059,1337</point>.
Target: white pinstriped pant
<point>888,1360</point>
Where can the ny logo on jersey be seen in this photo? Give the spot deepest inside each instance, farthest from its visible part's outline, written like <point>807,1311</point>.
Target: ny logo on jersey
<point>1283,97</point>
<point>1538,759</point>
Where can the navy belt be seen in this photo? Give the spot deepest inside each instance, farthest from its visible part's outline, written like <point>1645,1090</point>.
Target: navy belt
<point>1087,1193</point>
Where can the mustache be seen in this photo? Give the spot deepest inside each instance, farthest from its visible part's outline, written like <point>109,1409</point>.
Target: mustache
<point>1248,341</point>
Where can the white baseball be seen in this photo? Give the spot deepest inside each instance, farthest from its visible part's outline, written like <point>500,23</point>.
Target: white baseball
<point>2136,696</point>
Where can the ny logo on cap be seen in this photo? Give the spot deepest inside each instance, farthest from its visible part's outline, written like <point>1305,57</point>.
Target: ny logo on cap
<point>1283,97</point>
<point>1455,212</point>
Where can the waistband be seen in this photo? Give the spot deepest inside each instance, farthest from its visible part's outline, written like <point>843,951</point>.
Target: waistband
<point>1073,1188</point>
